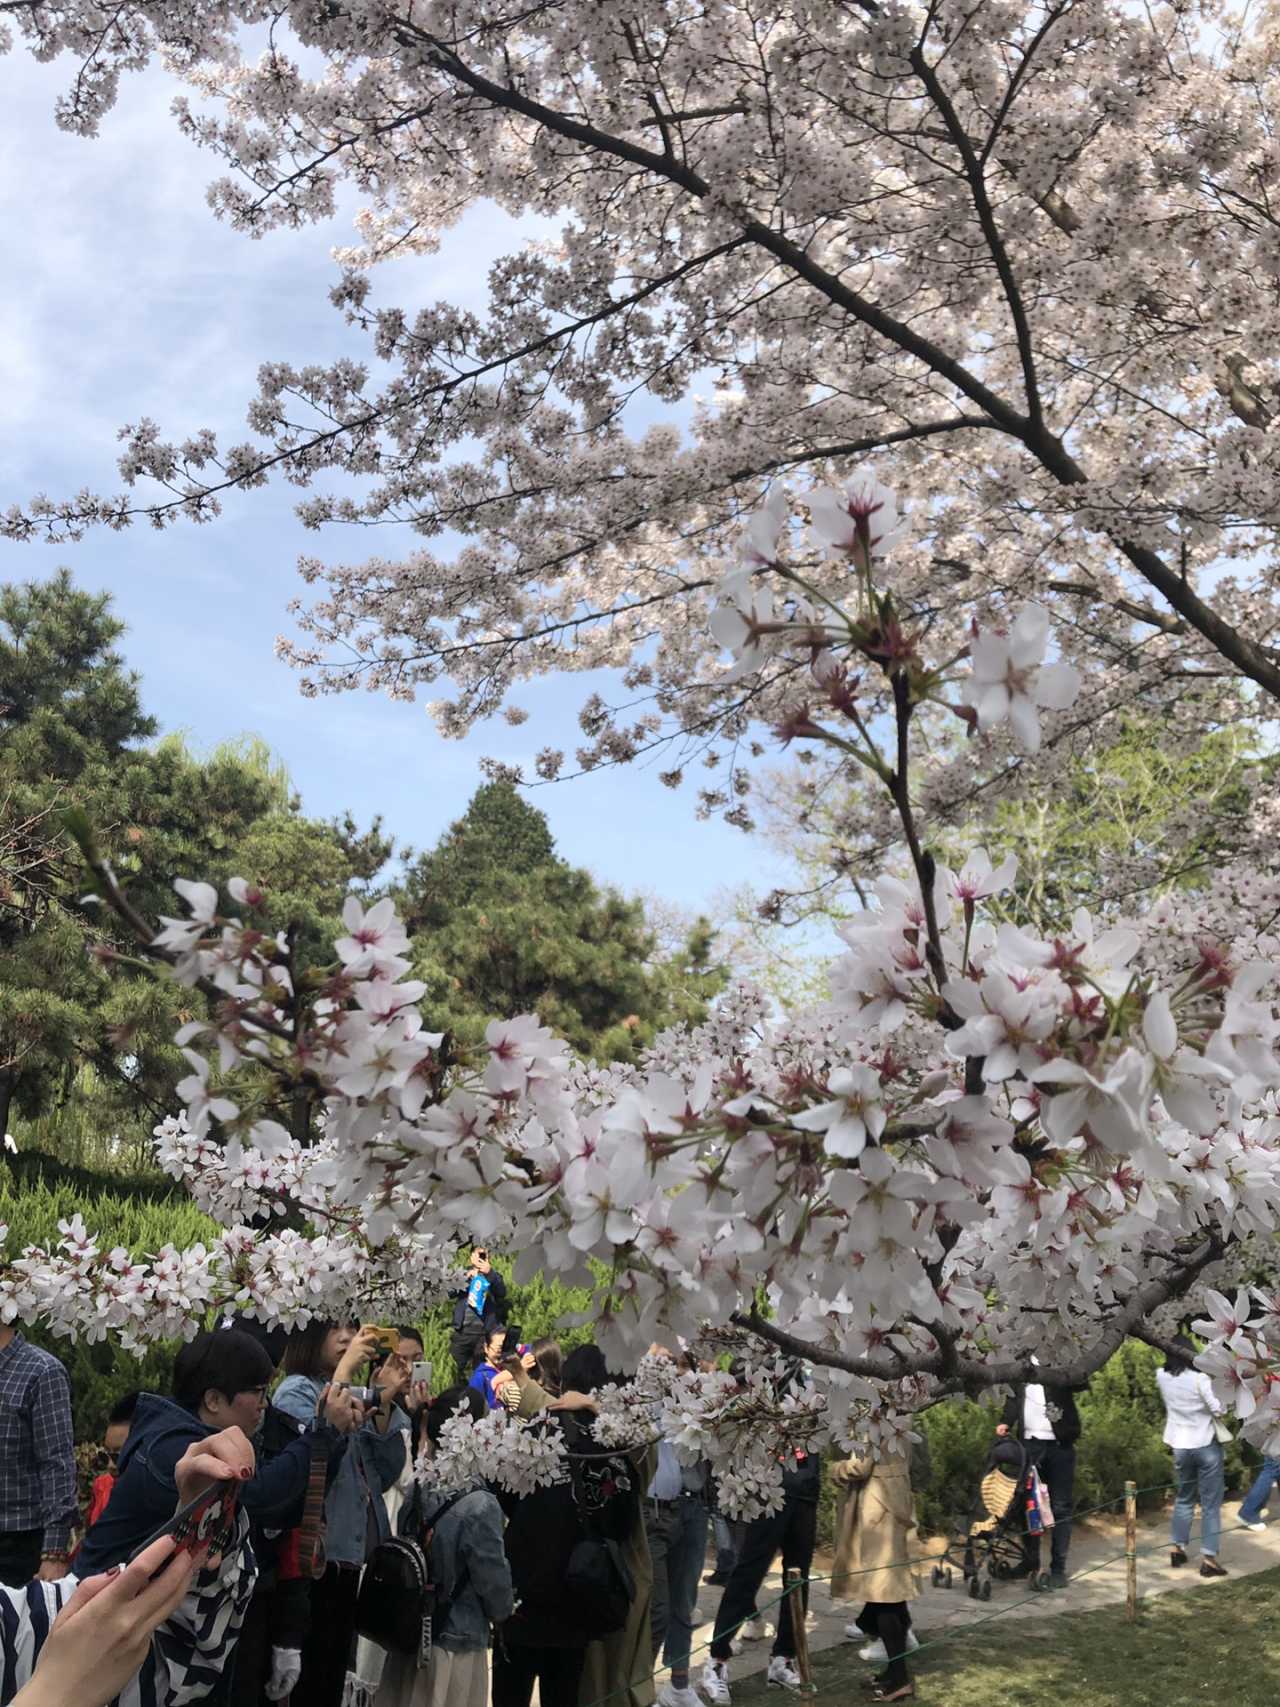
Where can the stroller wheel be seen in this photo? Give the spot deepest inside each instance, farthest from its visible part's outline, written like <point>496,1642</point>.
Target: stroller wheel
<point>1043,1581</point>
<point>986,1590</point>
<point>935,1577</point>
<point>947,1576</point>
<point>975,1588</point>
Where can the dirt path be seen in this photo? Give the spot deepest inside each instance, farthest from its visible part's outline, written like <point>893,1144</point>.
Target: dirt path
<point>1096,1578</point>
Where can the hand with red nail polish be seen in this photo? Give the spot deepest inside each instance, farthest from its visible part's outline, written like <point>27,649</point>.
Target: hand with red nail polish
<point>224,1457</point>
<point>101,1636</point>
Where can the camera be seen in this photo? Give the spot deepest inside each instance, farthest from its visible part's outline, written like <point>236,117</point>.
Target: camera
<point>364,1395</point>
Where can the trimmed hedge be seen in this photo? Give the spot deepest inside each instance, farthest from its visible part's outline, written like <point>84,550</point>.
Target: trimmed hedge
<point>1121,1415</point>
<point>100,1374</point>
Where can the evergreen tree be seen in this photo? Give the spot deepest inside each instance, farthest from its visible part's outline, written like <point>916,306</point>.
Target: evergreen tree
<point>73,732</point>
<point>501,925</point>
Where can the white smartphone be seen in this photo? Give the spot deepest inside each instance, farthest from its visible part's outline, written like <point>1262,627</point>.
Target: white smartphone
<point>421,1371</point>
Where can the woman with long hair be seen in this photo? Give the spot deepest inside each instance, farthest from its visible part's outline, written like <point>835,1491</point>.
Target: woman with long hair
<point>1191,1430</point>
<point>331,1353</point>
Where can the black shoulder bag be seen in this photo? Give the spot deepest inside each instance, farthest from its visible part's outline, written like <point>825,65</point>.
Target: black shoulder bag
<point>398,1604</point>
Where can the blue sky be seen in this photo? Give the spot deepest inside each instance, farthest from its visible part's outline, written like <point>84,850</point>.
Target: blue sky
<point>127,298</point>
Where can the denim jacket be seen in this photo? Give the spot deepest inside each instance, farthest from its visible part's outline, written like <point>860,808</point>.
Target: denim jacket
<point>372,1464</point>
<point>468,1562</point>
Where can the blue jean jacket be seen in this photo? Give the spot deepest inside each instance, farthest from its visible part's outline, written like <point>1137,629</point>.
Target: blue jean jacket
<point>372,1464</point>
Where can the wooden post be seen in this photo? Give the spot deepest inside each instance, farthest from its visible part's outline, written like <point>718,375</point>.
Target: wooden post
<point>1131,1550</point>
<point>793,1584</point>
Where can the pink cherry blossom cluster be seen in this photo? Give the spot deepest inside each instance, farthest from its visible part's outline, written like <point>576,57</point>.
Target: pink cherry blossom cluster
<point>985,1144</point>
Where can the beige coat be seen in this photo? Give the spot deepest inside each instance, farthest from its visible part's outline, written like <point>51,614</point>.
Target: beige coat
<point>875,1532</point>
<point>620,1667</point>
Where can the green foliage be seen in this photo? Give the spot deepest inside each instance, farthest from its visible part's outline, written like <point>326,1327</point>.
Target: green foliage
<point>502,925</point>
<point>102,1373</point>
<point>85,1055</point>
<point>543,1309</point>
<point>1122,1424</point>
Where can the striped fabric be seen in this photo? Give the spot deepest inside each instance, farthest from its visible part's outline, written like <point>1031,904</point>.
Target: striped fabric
<point>188,1653</point>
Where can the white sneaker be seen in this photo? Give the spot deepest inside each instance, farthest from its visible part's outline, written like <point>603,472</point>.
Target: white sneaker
<point>673,1697</point>
<point>782,1672</point>
<point>715,1683</point>
<point>1257,1525</point>
<point>757,1630</point>
<point>875,1653</point>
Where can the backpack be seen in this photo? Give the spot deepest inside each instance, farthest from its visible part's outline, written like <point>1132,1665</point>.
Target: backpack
<point>605,1489</point>
<point>599,1586</point>
<point>606,1493</point>
<point>399,1606</point>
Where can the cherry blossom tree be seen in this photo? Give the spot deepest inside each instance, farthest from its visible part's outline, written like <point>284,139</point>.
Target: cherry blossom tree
<point>1027,250</point>
<point>1030,247</point>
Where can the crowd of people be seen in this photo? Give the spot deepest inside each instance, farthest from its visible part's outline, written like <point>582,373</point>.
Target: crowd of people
<point>586,1589</point>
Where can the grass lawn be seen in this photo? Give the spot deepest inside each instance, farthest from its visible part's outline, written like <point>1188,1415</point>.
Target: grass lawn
<point>1216,1644</point>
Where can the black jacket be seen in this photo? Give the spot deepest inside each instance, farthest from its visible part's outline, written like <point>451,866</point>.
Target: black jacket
<point>467,1323</point>
<point>802,1477</point>
<point>543,1528</point>
<point>1060,1402</point>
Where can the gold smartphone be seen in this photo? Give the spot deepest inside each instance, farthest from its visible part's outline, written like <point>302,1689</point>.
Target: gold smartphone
<point>388,1338</point>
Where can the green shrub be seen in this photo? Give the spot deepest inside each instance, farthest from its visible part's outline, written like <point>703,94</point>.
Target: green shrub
<point>100,1374</point>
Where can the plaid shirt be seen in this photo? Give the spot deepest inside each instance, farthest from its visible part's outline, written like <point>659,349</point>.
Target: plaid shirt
<point>37,1464</point>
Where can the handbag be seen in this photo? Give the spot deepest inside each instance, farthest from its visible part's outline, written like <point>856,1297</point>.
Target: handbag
<point>1043,1501</point>
<point>1221,1433</point>
<point>398,1604</point>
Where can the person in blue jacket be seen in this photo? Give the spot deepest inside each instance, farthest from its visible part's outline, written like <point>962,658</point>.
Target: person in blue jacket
<point>481,1305</point>
<point>489,1369</point>
<point>330,1353</point>
<point>220,1381</point>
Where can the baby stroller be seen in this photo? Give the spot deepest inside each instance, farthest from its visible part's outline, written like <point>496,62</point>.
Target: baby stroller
<point>989,1546</point>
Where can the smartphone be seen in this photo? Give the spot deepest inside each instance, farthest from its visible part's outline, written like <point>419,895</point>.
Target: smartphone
<point>208,1520</point>
<point>388,1339</point>
<point>421,1371</point>
<point>365,1395</point>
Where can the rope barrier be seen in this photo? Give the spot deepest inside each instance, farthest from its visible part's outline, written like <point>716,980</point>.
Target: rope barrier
<point>925,1559</point>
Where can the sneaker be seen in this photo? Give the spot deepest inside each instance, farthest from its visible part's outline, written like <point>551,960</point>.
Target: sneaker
<point>1209,1567</point>
<point>717,1579</point>
<point>875,1653</point>
<point>715,1683</point>
<point>756,1630</point>
<point>1256,1524</point>
<point>673,1697</point>
<point>782,1673</point>
<point>1057,1579</point>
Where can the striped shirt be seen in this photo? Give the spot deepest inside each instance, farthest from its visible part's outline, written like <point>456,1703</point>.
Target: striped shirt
<point>188,1652</point>
<point>37,1461</point>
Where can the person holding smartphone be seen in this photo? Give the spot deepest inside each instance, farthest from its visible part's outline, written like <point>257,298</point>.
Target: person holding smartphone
<point>481,1305</point>
<point>156,1631</point>
<point>354,1514</point>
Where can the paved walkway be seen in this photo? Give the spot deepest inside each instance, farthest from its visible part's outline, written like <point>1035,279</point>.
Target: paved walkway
<point>1097,1578</point>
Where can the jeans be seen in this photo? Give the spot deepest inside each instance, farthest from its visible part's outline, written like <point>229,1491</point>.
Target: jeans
<point>677,1533</point>
<point>557,1672</point>
<point>1199,1473</point>
<point>1057,1467</point>
<point>726,1543</point>
<point>1255,1501</point>
<point>20,1551</point>
<point>793,1529</point>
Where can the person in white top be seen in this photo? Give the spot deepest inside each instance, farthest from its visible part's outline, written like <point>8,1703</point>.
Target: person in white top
<point>1191,1412</point>
<point>1048,1424</point>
